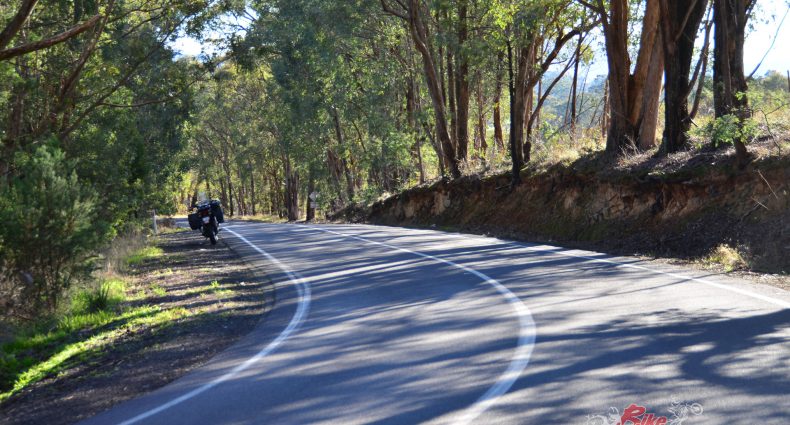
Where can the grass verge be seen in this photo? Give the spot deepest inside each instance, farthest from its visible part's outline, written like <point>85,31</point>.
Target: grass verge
<point>178,307</point>
<point>143,254</point>
<point>96,319</point>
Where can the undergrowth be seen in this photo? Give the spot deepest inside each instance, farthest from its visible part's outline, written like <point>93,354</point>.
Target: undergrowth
<point>728,257</point>
<point>97,317</point>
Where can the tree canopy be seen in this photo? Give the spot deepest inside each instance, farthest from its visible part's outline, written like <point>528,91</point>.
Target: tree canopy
<point>344,99</point>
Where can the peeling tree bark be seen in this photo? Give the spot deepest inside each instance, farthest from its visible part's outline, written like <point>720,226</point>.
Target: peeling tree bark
<point>630,113</point>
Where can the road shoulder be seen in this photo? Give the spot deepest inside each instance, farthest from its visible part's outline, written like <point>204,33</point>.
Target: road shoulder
<point>219,299</point>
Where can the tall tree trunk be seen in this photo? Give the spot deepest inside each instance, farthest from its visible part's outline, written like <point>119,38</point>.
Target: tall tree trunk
<point>336,170</point>
<point>606,109</point>
<point>575,83</point>
<point>499,137</point>
<point>241,193</point>
<point>480,141</point>
<point>223,192</point>
<point>702,67</point>
<point>228,183</point>
<point>729,81</point>
<point>529,102</point>
<point>412,106</point>
<point>680,22</point>
<point>419,34</point>
<point>230,192</point>
<point>420,163</point>
<point>516,114</point>
<point>537,111</point>
<point>252,187</point>
<point>346,170</point>
<point>651,99</point>
<point>462,85</point>
<point>621,134</point>
<point>628,94</point>
<point>291,189</point>
<point>452,90</point>
<point>442,159</point>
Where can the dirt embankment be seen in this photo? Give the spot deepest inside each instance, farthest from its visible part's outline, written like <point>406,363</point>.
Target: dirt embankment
<point>683,206</point>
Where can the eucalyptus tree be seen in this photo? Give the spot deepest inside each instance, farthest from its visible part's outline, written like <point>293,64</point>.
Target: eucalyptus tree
<point>680,21</point>
<point>729,79</point>
<point>534,35</point>
<point>417,16</point>
<point>634,87</point>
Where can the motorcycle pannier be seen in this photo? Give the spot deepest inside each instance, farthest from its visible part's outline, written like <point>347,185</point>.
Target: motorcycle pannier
<point>194,221</point>
<point>216,209</point>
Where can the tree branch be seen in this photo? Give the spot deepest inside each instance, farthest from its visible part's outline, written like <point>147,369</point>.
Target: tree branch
<point>16,23</point>
<point>43,44</point>
<point>392,11</point>
<point>592,7</point>
<point>685,20</point>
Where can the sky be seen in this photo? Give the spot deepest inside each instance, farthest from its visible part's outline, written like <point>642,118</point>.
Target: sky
<point>765,23</point>
<point>758,41</point>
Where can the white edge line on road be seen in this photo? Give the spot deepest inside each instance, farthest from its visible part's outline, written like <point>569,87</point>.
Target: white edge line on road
<point>526,338</point>
<point>567,253</point>
<point>564,252</point>
<point>299,316</point>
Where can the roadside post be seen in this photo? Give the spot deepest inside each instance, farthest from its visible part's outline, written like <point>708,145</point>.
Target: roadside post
<point>156,230</point>
<point>313,205</point>
<point>313,196</point>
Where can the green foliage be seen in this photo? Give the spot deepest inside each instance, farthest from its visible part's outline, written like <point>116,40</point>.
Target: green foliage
<point>102,298</point>
<point>49,232</point>
<point>143,254</point>
<point>729,128</point>
<point>39,354</point>
<point>110,106</point>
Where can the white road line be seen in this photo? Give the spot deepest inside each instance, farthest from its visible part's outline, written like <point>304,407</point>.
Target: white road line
<point>526,338</point>
<point>567,253</point>
<point>301,313</point>
<point>563,252</point>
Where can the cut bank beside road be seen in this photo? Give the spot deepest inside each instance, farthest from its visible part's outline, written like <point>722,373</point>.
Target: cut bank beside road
<point>689,205</point>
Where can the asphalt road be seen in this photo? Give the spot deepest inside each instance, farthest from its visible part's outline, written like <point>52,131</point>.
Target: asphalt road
<point>381,325</point>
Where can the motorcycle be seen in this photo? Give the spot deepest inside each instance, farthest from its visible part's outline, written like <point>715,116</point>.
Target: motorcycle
<point>207,219</point>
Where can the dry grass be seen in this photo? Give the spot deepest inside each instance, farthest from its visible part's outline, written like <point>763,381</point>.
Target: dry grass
<point>116,255</point>
<point>727,257</point>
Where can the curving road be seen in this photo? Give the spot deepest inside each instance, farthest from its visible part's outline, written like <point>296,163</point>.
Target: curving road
<point>381,325</point>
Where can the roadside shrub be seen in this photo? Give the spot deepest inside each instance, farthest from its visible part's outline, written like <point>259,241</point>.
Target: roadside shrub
<point>103,297</point>
<point>48,234</point>
<point>728,257</point>
<point>729,128</point>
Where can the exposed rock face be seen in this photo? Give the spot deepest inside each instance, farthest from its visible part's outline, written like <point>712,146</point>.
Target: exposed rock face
<point>685,213</point>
